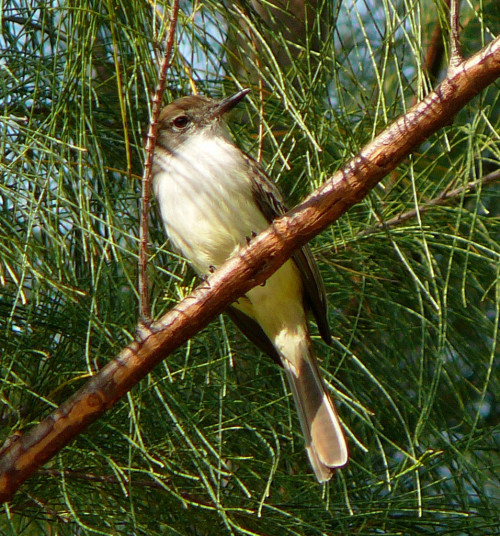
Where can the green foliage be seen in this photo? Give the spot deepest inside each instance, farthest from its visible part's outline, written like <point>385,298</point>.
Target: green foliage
<point>209,443</point>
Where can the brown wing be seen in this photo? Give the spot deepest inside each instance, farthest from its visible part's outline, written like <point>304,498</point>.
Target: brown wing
<point>271,203</point>
<point>252,330</point>
<point>315,293</point>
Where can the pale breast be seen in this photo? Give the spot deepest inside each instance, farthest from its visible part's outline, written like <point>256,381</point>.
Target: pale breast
<point>206,202</point>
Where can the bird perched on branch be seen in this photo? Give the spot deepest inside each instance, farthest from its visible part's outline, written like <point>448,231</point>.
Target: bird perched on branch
<point>211,197</point>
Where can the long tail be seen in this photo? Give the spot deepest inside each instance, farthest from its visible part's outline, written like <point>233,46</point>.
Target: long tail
<point>325,442</point>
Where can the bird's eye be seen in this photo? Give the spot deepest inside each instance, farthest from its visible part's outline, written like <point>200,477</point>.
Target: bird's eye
<point>181,122</point>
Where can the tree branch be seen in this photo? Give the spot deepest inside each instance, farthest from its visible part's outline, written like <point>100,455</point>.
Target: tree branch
<point>21,456</point>
<point>435,51</point>
<point>444,197</point>
<point>144,305</point>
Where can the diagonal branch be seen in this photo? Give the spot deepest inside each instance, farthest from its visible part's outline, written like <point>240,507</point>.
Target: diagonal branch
<point>442,199</point>
<point>22,455</point>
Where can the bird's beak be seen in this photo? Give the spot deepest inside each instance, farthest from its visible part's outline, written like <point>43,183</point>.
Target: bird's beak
<point>227,104</point>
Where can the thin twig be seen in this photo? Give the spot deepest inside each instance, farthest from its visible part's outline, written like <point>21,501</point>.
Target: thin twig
<point>260,150</point>
<point>434,56</point>
<point>455,51</point>
<point>144,305</point>
<point>444,197</point>
<point>47,510</point>
<point>160,482</point>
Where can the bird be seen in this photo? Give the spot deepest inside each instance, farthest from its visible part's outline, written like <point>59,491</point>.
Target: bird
<point>212,197</point>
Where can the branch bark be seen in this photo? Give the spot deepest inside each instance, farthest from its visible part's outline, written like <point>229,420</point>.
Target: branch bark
<point>23,454</point>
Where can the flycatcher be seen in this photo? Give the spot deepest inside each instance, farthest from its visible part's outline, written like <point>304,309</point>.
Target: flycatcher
<point>212,196</point>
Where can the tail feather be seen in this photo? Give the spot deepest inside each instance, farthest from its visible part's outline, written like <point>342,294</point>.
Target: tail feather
<point>325,442</point>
